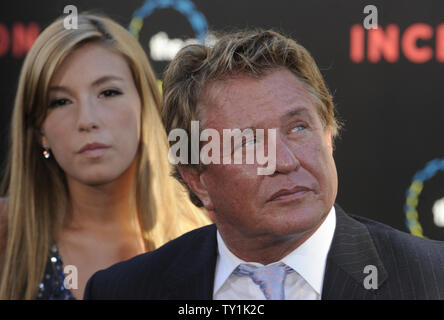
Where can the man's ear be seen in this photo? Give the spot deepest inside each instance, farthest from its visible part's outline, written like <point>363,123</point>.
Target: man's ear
<point>328,138</point>
<point>193,178</point>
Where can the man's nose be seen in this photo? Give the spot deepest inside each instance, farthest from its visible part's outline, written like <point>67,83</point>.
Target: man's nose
<point>87,115</point>
<point>286,160</point>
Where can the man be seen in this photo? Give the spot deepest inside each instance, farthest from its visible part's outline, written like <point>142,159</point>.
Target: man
<point>277,235</point>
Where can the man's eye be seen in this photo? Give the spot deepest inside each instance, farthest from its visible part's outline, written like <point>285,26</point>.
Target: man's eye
<point>58,103</point>
<point>111,93</point>
<point>299,127</point>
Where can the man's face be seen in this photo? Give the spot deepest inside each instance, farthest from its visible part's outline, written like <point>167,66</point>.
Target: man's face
<point>294,199</point>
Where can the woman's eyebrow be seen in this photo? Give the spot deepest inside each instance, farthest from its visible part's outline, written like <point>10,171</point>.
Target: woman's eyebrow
<point>60,88</point>
<point>96,83</point>
<point>106,78</point>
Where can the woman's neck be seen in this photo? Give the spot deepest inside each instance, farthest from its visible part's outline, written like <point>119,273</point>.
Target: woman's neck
<point>107,205</point>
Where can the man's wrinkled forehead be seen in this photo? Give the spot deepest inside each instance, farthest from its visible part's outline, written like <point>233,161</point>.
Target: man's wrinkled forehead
<point>217,95</point>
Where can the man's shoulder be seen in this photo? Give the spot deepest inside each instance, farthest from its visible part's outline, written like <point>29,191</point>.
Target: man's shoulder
<point>405,254</point>
<point>386,235</point>
<point>408,267</point>
<point>142,274</point>
<point>175,249</point>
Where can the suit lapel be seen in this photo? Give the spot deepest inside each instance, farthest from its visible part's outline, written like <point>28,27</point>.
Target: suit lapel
<point>352,249</point>
<point>192,276</point>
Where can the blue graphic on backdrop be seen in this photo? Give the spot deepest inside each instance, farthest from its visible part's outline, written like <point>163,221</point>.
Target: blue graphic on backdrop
<point>162,48</point>
<point>412,198</point>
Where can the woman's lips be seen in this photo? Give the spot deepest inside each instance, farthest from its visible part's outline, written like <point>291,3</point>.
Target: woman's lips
<point>93,150</point>
<point>94,153</point>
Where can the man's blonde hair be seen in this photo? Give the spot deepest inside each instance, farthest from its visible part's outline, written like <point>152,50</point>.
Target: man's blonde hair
<point>251,53</point>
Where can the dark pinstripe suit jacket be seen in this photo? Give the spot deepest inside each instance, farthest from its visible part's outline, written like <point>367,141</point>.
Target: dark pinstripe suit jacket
<point>407,267</point>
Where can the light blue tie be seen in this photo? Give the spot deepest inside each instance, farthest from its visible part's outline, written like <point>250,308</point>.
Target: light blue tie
<point>270,279</point>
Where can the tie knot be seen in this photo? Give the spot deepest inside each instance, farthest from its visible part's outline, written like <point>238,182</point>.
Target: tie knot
<point>269,278</point>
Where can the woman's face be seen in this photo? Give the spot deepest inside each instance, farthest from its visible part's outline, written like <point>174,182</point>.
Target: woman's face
<point>93,123</point>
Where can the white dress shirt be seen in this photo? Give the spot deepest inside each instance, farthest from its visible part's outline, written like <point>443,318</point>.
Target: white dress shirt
<point>308,260</point>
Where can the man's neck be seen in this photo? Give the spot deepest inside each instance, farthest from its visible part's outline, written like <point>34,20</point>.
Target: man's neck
<point>266,249</point>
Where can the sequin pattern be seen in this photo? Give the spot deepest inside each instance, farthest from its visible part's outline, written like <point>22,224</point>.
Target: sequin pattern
<point>51,287</point>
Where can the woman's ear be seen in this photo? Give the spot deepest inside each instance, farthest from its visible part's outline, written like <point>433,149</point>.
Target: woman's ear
<point>43,140</point>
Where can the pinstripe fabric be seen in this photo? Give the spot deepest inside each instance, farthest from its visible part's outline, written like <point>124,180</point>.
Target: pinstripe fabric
<point>408,267</point>
<point>182,269</point>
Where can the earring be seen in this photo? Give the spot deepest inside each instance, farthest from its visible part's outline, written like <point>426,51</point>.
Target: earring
<point>46,153</point>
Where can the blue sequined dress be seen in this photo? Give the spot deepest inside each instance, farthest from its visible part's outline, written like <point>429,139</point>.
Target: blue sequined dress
<point>51,287</point>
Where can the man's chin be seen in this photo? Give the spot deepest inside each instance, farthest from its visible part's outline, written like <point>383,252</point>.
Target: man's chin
<point>298,222</point>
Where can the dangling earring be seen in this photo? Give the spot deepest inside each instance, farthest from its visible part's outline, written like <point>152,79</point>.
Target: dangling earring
<point>46,153</point>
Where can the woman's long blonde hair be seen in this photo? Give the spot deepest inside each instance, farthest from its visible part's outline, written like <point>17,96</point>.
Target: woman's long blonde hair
<point>35,188</point>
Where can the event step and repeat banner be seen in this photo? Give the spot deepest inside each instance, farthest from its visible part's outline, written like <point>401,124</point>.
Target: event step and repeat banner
<point>383,61</point>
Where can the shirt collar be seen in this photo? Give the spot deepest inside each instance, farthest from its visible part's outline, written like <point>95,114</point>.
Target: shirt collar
<point>309,259</point>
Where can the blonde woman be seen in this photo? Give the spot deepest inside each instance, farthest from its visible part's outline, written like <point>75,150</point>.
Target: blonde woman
<point>87,182</point>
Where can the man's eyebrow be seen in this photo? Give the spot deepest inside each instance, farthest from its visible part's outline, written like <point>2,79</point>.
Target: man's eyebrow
<point>295,112</point>
<point>96,83</point>
<point>248,128</point>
